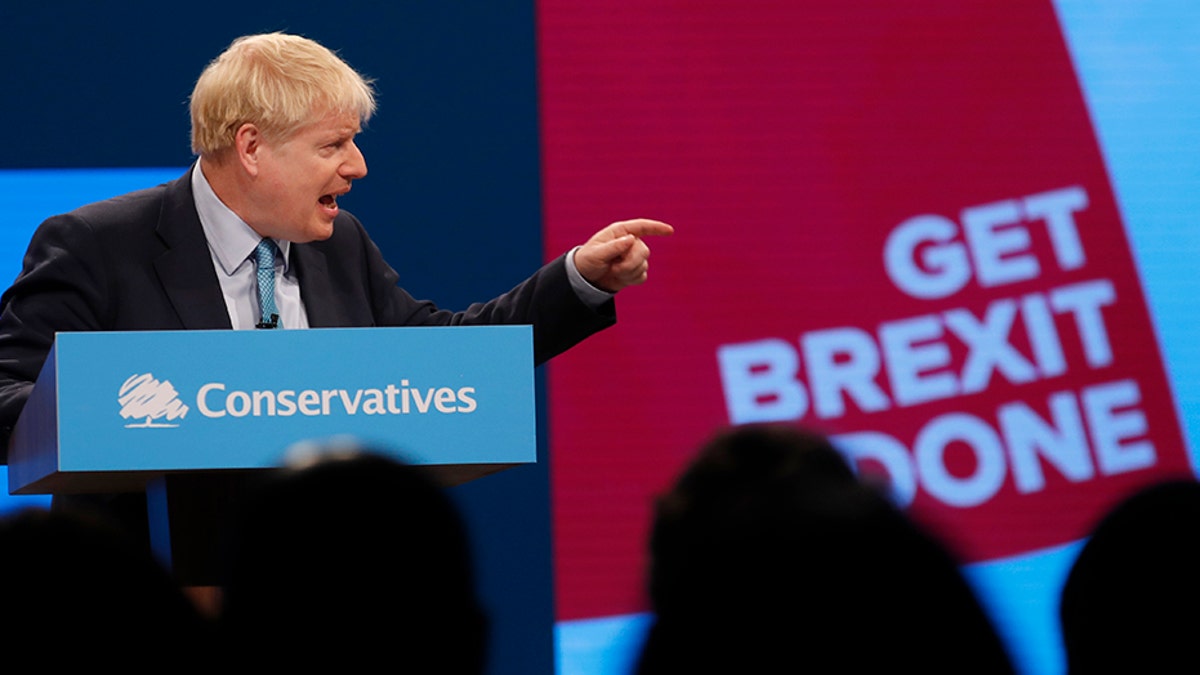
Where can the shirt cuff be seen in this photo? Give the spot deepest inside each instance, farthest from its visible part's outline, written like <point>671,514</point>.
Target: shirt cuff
<point>590,295</point>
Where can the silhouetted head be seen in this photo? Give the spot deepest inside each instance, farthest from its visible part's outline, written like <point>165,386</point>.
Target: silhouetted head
<point>1129,602</point>
<point>363,556</point>
<point>73,580</point>
<point>768,554</point>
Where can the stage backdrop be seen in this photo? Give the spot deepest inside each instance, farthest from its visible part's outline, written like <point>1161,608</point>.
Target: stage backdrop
<point>896,223</point>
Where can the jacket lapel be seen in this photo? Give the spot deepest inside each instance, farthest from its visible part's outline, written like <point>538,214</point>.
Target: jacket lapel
<point>185,269</point>
<point>320,302</point>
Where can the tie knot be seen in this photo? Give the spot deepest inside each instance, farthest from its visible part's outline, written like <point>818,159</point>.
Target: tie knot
<point>265,253</point>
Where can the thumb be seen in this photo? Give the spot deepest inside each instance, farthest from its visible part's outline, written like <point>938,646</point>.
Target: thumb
<point>616,248</point>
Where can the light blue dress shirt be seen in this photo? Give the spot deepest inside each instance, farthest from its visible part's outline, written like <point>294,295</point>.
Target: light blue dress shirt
<point>232,242</point>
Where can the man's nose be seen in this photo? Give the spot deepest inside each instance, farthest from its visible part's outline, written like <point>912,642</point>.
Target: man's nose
<point>356,166</point>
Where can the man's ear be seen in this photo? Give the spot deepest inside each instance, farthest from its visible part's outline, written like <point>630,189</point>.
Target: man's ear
<point>248,143</point>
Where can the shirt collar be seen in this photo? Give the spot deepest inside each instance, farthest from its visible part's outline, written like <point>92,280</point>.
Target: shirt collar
<point>230,239</point>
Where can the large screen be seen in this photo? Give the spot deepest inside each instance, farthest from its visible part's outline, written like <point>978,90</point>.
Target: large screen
<point>954,235</point>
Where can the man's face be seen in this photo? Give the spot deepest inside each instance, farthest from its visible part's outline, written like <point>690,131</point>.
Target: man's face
<point>300,179</point>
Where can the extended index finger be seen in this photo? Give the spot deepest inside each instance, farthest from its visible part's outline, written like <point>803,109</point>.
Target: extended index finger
<point>641,227</point>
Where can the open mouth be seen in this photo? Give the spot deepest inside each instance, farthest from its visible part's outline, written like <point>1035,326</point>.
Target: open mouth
<point>329,203</point>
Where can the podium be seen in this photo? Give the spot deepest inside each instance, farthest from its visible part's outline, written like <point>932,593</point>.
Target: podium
<point>189,417</point>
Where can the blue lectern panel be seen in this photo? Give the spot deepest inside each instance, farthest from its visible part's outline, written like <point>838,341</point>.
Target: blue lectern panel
<point>199,400</point>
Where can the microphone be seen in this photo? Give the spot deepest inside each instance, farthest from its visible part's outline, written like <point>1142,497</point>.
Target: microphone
<point>273,323</point>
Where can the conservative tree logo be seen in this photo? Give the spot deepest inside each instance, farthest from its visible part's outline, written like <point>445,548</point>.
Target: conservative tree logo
<point>146,400</point>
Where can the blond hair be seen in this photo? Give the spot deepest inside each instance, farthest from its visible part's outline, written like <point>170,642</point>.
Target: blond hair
<point>276,81</point>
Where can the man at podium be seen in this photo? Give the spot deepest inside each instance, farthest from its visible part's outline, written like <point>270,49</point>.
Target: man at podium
<point>252,236</point>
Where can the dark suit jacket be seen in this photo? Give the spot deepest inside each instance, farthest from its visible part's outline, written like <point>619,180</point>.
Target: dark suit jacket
<point>140,262</point>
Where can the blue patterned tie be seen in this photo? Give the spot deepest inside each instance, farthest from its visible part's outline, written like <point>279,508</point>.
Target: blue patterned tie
<point>265,257</point>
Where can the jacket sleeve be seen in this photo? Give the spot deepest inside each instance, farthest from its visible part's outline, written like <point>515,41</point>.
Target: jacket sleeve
<point>546,301</point>
<point>62,287</point>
